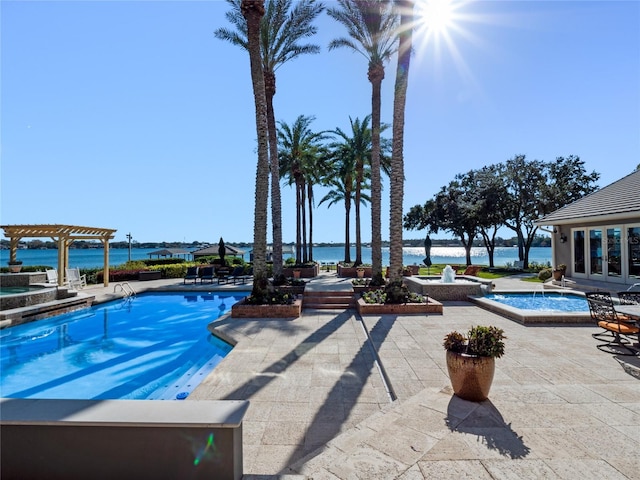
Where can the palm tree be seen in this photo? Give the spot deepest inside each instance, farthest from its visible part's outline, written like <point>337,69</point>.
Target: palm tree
<point>280,34</point>
<point>371,26</point>
<point>355,152</point>
<point>299,151</point>
<point>315,170</point>
<point>252,11</point>
<point>405,8</point>
<point>343,188</point>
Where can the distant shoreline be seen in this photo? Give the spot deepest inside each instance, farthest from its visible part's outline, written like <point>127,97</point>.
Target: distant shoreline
<point>190,246</point>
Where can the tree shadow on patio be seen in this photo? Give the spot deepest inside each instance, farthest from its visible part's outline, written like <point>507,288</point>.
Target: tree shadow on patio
<point>485,422</point>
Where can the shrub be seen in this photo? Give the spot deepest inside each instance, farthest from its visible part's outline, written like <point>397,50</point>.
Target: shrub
<point>545,274</point>
<point>274,297</point>
<point>163,261</point>
<point>394,293</point>
<point>481,341</point>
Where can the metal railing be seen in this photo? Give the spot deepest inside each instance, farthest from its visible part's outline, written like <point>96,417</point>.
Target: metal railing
<point>126,288</point>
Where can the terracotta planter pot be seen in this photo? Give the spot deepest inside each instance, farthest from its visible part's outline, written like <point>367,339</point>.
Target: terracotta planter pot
<point>557,274</point>
<point>471,377</point>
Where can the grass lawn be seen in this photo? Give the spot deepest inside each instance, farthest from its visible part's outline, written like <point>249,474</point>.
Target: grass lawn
<point>436,269</point>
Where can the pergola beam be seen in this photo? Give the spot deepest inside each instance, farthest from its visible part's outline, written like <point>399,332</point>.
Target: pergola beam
<point>63,235</point>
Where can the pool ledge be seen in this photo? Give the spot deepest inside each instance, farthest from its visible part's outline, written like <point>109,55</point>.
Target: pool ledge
<point>97,438</point>
<point>531,317</point>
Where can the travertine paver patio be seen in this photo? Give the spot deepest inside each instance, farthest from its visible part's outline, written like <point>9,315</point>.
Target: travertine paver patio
<point>559,407</point>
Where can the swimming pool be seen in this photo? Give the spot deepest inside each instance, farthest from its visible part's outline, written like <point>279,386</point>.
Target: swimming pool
<point>537,307</point>
<point>153,346</point>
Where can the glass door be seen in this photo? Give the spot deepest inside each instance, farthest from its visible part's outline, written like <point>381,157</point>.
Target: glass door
<point>579,249</point>
<point>595,252</point>
<point>633,256</point>
<point>613,258</point>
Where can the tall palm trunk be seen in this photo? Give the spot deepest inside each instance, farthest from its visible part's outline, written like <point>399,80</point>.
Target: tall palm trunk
<point>310,203</point>
<point>347,226</point>
<point>299,207</point>
<point>397,160</point>
<point>303,207</point>
<point>252,11</point>
<point>376,75</point>
<point>358,194</point>
<point>274,166</point>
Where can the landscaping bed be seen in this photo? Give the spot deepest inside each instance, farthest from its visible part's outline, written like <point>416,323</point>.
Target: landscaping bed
<point>364,308</point>
<point>245,310</point>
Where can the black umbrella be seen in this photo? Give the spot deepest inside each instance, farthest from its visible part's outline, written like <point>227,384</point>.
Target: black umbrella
<point>221,251</point>
<point>427,252</point>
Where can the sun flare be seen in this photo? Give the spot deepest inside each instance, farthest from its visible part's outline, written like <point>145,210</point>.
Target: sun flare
<point>436,16</point>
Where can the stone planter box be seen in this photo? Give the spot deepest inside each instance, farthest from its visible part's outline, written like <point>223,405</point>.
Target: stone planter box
<point>243,310</point>
<point>398,309</point>
<point>351,272</point>
<point>305,272</point>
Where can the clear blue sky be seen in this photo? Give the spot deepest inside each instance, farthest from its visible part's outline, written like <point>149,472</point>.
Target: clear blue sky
<point>133,116</point>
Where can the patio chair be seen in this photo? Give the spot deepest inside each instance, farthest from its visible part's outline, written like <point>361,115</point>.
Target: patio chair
<point>74,279</point>
<point>244,277</point>
<point>629,298</point>
<point>472,270</point>
<point>237,275</point>
<point>191,275</point>
<point>222,274</point>
<point>208,275</point>
<point>52,276</point>
<point>614,326</point>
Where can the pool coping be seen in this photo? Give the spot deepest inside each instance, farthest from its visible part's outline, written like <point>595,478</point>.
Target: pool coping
<point>532,317</point>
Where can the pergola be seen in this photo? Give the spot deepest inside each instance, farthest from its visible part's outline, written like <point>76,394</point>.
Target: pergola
<point>63,235</point>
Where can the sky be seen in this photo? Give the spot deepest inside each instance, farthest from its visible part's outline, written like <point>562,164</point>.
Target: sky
<point>134,116</point>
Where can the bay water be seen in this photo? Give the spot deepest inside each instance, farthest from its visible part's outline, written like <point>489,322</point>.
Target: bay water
<point>94,257</point>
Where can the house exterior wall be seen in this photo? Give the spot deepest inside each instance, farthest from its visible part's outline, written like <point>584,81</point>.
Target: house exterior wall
<point>605,250</point>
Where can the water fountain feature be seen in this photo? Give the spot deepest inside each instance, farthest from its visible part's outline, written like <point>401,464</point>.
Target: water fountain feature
<point>448,286</point>
<point>448,274</point>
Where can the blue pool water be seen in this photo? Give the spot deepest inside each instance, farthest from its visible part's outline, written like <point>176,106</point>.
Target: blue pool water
<point>153,346</point>
<point>542,301</point>
<point>16,290</point>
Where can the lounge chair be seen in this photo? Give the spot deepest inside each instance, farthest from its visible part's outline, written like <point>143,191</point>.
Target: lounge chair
<point>192,274</point>
<point>244,277</point>
<point>208,275</point>
<point>237,275</point>
<point>74,279</point>
<point>616,327</point>
<point>222,274</point>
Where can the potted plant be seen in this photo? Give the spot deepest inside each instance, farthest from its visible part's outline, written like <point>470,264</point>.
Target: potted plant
<point>471,360</point>
<point>15,266</point>
<point>559,271</point>
<point>360,272</point>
